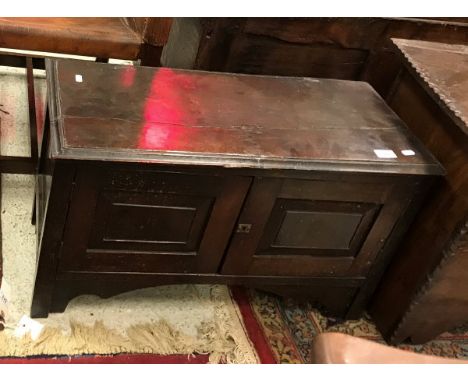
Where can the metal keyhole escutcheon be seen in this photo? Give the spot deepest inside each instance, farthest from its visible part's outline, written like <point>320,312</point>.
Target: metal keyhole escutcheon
<point>244,228</point>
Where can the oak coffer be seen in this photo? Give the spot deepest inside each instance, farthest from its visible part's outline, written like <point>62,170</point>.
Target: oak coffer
<point>151,176</point>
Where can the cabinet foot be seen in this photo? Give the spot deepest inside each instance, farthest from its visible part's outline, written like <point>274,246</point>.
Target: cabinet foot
<point>40,308</point>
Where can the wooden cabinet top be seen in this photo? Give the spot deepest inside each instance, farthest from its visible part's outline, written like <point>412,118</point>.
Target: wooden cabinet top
<point>161,115</point>
<point>442,69</point>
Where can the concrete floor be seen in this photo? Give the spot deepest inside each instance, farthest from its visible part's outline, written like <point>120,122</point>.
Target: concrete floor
<point>18,235</point>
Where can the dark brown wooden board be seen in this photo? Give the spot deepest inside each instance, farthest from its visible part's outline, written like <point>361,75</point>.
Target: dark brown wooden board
<point>89,36</point>
<point>352,48</point>
<point>176,116</point>
<point>128,38</point>
<point>430,96</point>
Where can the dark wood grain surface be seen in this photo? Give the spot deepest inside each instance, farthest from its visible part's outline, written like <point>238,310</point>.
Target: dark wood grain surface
<point>429,96</point>
<point>129,38</point>
<point>441,304</point>
<point>352,48</point>
<point>92,36</point>
<point>441,69</point>
<point>167,115</point>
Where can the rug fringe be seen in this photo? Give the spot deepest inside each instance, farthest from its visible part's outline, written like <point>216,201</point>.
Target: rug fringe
<point>223,339</point>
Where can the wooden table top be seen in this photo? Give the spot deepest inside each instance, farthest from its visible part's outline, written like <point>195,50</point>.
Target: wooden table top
<point>443,71</point>
<point>161,115</point>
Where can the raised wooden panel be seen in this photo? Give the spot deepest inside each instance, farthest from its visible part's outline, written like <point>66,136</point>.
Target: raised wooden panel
<point>167,224</point>
<point>160,223</point>
<point>317,228</point>
<point>314,229</point>
<point>150,221</point>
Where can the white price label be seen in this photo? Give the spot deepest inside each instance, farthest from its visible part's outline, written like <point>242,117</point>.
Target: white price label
<point>387,154</point>
<point>408,153</point>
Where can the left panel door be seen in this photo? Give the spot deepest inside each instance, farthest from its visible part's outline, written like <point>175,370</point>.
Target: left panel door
<point>124,220</point>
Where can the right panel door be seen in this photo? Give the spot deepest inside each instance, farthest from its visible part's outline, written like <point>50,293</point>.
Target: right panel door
<point>296,227</point>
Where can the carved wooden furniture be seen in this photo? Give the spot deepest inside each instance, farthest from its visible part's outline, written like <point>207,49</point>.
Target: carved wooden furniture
<point>157,176</point>
<point>128,38</point>
<point>425,291</point>
<point>351,48</point>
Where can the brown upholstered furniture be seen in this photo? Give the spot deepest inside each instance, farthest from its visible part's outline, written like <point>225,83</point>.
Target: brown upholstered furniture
<point>425,291</point>
<point>338,348</point>
<point>128,38</point>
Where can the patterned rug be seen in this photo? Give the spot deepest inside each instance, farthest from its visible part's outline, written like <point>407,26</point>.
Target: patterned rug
<point>289,328</point>
<point>279,331</point>
<point>112,359</point>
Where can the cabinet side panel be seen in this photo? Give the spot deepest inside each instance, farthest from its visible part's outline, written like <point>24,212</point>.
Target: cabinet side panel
<point>50,241</point>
